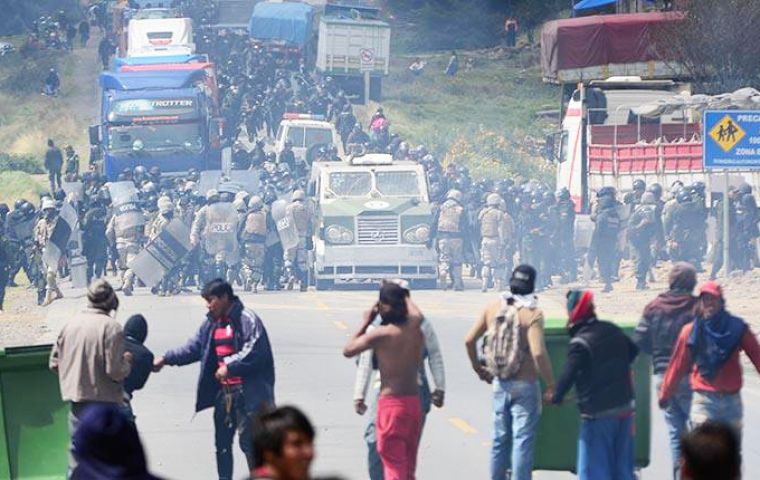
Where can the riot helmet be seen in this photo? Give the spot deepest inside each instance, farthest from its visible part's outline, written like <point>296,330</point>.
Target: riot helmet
<point>493,200</point>
<point>455,195</point>
<point>255,203</point>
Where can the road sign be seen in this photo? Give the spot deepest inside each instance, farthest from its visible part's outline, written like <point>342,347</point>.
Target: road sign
<point>367,56</point>
<point>731,139</point>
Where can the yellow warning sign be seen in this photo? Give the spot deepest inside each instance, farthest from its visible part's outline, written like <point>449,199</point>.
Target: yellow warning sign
<point>727,133</point>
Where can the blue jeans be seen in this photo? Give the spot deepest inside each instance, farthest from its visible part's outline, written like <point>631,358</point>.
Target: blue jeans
<point>676,418</point>
<point>226,423</point>
<point>605,449</point>
<point>718,407</point>
<point>516,410</point>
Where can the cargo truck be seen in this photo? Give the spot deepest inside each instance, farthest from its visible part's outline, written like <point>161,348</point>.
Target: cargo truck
<point>157,118</point>
<point>354,40</point>
<point>603,142</point>
<point>284,28</point>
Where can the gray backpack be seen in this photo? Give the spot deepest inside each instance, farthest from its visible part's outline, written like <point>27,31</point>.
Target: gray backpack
<point>504,347</point>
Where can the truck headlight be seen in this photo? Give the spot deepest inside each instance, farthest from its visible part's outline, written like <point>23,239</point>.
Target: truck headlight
<point>339,235</point>
<point>417,234</point>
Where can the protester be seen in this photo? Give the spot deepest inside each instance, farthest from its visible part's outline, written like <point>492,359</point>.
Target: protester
<point>656,335</point>
<point>105,50</point>
<point>708,349</point>
<point>136,331</point>
<point>417,67</point>
<point>52,84</point>
<point>283,445</point>
<point>367,364</point>
<point>398,344</point>
<point>237,370</point>
<point>598,364</point>
<point>90,358</point>
<point>107,446</point>
<point>515,356</point>
<point>711,451</point>
<point>53,165</point>
<point>453,66</point>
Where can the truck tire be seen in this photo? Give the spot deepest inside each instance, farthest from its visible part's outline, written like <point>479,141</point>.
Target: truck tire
<point>324,284</point>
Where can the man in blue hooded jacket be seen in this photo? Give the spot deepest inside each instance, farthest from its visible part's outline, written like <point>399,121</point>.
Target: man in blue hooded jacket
<point>237,370</point>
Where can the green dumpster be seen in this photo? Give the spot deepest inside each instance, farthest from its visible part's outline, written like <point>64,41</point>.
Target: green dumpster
<point>33,418</point>
<point>557,438</point>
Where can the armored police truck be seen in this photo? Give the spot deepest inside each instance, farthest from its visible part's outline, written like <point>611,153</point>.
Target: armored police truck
<point>373,217</point>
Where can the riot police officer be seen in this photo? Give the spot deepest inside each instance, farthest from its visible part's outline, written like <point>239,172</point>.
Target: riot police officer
<point>274,252</point>
<point>94,243</point>
<point>642,230</point>
<point>216,227</point>
<point>165,215</point>
<point>604,240</point>
<point>493,235</point>
<point>126,230</point>
<point>565,236</point>
<point>451,226</point>
<point>296,261</point>
<point>688,230</point>
<point>43,232</point>
<point>253,239</point>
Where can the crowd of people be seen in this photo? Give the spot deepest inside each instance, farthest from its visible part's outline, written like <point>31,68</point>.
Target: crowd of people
<point>694,343</point>
<point>488,226</point>
<point>485,225</point>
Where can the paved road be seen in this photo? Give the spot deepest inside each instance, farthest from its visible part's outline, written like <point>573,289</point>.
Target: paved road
<point>307,332</point>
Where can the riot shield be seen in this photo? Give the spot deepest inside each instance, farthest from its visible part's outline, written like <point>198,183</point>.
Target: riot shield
<point>75,189</point>
<point>226,186</point>
<point>162,254</point>
<point>208,180</point>
<point>57,245</point>
<point>248,180</point>
<point>24,229</point>
<point>236,181</point>
<point>286,225</point>
<point>221,232</point>
<point>126,207</point>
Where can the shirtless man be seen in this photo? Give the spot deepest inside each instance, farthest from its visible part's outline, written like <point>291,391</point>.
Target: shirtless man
<point>398,344</point>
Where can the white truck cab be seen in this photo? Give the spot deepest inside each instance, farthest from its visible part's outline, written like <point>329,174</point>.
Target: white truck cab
<point>307,133</point>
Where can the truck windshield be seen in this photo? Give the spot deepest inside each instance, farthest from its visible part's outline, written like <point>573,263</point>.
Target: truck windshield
<point>350,184</point>
<point>397,184</point>
<point>156,138</point>
<point>318,136</point>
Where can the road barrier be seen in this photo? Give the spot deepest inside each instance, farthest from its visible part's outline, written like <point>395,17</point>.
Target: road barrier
<point>557,437</point>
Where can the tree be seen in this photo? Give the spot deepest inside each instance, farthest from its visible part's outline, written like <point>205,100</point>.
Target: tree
<point>716,44</point>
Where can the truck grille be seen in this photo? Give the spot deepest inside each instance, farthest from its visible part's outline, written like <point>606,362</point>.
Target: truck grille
<point>377,230</point>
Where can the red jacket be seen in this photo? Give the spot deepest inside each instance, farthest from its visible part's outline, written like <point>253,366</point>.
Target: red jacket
<point>729,377</point>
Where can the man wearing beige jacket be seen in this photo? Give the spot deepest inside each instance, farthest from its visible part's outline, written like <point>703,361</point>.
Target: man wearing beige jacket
<point>90,358</point>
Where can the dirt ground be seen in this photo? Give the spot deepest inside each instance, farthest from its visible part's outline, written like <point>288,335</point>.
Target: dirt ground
<point>22,322</point>
<point>625,303</point>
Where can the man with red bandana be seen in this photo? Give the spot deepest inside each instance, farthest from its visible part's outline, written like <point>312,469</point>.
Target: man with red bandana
<point>598,364</point>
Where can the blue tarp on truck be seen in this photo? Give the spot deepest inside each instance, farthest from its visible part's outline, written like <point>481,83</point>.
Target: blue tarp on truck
<point>282,22</point>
